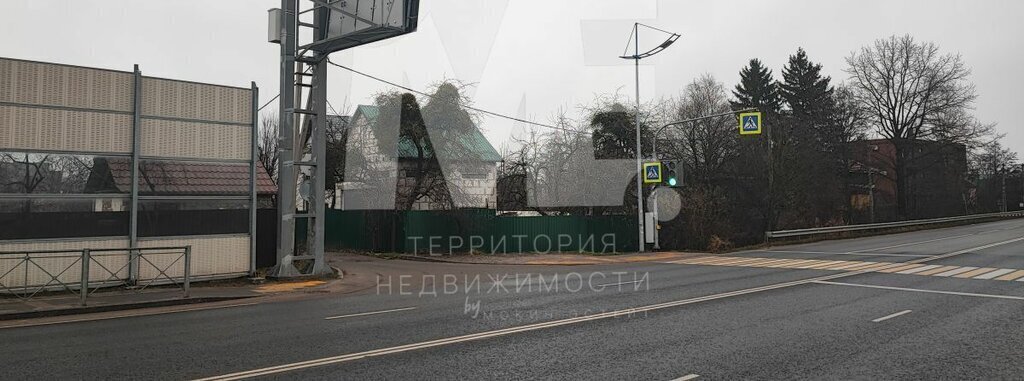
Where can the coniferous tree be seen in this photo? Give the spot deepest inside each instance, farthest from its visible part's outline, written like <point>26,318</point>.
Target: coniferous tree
<point>759,154</point>
<point>757,88</point>
<point>816,167</point>
<point>805,90</point>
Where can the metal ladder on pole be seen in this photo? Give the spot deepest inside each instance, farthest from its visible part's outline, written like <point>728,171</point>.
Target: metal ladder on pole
<point>302,150</point>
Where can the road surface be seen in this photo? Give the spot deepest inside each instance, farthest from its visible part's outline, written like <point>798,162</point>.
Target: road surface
<point>839,309</point>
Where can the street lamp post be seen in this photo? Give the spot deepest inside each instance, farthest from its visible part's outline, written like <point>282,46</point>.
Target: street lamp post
<point>637,56</point>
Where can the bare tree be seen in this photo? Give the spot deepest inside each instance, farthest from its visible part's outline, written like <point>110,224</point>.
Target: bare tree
<point>706,145</point>
<point>512,177</point>
<point>30,171</point>
<point>992,159</point>
<point>267,144</point>
<point>337,152</point>
<point>911,91</point>
<point>433,146</point>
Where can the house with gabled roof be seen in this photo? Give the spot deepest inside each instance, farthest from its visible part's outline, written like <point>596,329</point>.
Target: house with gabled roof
<point>473,177</point>
<point>177,178</point>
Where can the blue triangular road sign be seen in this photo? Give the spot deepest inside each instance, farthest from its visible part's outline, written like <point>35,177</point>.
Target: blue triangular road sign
<point>652,172</point>
<point>749,124</point>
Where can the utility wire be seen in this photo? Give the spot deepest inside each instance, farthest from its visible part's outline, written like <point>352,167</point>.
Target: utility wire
<point>468,107</point>
<point>268,102</point>
<point>278,94</point>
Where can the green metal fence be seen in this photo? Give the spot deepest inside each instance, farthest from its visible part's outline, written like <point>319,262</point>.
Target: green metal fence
<point>480,231</point>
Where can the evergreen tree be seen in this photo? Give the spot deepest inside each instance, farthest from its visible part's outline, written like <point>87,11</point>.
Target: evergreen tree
<point>757,89</point>
<point>759,155</point>
<point>615,133</point>
<point>804,89</point>
<point>815,169</point>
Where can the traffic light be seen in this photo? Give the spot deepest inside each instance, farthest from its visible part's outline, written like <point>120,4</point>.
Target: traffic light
<point>670,177</point>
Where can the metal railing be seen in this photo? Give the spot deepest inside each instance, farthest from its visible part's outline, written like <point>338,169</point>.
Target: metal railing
<point>26,274</point>
<point>887,225</point>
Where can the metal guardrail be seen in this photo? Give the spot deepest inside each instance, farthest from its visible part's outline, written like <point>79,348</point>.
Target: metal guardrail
<point>25,274</point>
<point>885,225</point>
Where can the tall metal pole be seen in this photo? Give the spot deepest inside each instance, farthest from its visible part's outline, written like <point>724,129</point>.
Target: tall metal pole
<point>871,192</point>
<point>133,223</point>
<point>654,193</point>
<point>1003,192</point>
<point>871,180</point>
<point>319,156</point>
<point>639,166</point>
<point>771,178</point>
<point>286,138</point>
<point>253,153</point>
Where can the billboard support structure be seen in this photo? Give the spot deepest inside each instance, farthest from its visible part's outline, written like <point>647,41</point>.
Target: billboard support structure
<point>302,132</point>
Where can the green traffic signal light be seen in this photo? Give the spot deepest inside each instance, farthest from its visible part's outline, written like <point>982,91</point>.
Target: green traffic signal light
<point>669,169</point>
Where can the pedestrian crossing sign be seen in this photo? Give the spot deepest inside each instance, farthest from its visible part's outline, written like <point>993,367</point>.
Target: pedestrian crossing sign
<point>652,173</point>
<point>750,123</point>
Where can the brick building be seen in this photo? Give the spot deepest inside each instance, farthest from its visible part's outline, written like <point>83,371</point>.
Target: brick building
<point>937,184</point>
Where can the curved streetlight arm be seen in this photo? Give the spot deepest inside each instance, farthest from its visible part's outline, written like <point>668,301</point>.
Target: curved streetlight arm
<point>654,143</point>
<point>657,49</point>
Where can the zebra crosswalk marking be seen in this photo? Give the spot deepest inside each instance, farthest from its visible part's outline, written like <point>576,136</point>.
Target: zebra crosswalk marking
<point>1019,274</point>
<point>964,272</point>
<point>956,271</point>
<point>919,269</point>
<point>938,270</point>
<point>993,274</point>
<point>974,273</point>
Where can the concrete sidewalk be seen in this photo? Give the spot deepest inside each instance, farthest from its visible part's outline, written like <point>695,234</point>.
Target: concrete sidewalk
<point>361,272</point>
<point>113,299</point>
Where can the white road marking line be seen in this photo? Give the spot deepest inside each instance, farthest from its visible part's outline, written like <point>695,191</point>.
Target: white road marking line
<point>887,317</point>
<point>556,323</point>
<point>687,377</point>
<point>848,253</point>
<point>917,270</point>
<point>993,274</point>
<point>921,290</point>
<point>369,313</point>
<point>956,271</point>
<point>505,331</point>
<point>150,313</point>
<point>620,283</point>
<point>843,267</point>
<point>911,243</point>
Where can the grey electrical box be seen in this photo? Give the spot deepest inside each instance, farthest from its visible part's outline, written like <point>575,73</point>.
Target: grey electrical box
<point>274,25</point>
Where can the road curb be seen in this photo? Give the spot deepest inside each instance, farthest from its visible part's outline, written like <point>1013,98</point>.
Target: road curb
<point>117,307</point>
<point>584,261</point>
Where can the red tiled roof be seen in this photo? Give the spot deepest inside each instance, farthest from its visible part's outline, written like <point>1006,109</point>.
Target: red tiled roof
<point>189,178</point>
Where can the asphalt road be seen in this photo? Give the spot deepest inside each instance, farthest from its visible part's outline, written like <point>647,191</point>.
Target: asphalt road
<point>657,321</point>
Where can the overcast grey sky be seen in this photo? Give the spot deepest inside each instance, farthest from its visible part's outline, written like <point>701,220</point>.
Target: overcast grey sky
<point>527,57</point>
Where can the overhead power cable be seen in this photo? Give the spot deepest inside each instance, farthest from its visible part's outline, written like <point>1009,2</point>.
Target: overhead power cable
<point>480,110</point>
<point>268,102</point>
